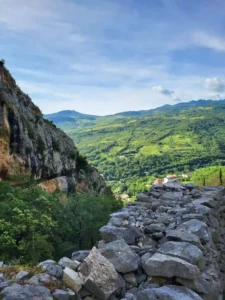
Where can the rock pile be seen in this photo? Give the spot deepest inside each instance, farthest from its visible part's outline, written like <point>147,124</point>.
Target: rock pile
<point>169,244</point>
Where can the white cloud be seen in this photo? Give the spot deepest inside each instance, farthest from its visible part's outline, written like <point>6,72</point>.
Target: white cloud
<point>207,40</point>
<point>159,89</point>
<point>215,84</point>
<point>215,97</point>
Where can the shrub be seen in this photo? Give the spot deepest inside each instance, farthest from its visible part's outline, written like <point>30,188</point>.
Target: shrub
<point>35,225</point>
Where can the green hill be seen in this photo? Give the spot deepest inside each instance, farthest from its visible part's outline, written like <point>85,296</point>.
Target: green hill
<point>170,139</point>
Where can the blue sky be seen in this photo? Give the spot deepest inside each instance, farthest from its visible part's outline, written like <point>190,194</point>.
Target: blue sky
<point>106,56</point>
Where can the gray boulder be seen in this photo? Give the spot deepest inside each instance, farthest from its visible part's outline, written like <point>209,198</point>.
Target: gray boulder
<point>42,279</point>
<point>61,295</point>
<point>168,266</point>
<point>198,228</point>
<point>72,280</point>
<point>155,227</point>
<point>143,197</point>
<point>54,270</point>
<point>21,275</point>
<point>80,255</point>
<point>183,236</point>
<point>183,250</point>
<point>26,292</point>
<point>45,263</point>
<point>121,256</point>
<point>66,262</point>
<point>121,214</point>
<point>100,276</point>
<point>168,293</point>
<point>111,233</point>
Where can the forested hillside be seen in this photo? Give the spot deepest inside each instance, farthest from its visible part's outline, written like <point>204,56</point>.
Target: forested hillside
<point>170,139</point>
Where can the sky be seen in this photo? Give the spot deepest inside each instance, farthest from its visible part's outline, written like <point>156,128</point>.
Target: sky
<point>107,56</point>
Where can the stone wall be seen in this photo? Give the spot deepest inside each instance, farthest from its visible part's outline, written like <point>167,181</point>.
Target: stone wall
<point>176,238</point>
<point>167,245</point>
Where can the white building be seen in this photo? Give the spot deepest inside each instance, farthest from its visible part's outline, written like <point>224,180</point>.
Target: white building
<point>171,178</point>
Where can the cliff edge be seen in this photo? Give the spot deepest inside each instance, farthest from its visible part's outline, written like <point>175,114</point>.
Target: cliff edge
<point>24,131</point>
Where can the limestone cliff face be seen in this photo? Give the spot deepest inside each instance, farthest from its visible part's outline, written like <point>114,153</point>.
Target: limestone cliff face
<point>23,130</point>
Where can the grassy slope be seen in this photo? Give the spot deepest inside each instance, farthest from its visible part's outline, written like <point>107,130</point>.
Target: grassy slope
<point>171,139</point>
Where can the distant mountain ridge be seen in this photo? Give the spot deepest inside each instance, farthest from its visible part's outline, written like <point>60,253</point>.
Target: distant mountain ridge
<point>68,116</point>
<point>72,115</point>
<point>169,139</point>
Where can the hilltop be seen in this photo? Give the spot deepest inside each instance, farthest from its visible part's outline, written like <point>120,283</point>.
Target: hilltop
<point>173,138</point>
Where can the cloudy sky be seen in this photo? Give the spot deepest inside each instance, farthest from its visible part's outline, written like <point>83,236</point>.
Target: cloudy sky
<point>106,56</point>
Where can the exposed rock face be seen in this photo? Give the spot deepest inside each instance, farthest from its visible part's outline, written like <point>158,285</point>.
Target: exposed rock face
<point>176,251</point>
<point>23,131</point>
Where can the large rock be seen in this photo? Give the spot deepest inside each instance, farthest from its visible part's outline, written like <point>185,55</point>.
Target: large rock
<point>45,263</point>
<point>121,256</point>
<point>55,271</point>
<point>80,255</point>
<point>168,293</point>
<point>72,279</point>
<point>198,228</point>
<point>183,236</point>
<point>66,262</point>
<point>183,250</point>
<point>111,233</point>
<point>21,275</point>
<point>168,266</point>
<point>26,292</point>
<point>100,276</point>
<point>208,284</point>
<point>61,295</point>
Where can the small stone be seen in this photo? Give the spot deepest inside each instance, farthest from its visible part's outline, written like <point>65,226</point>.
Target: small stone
<point>21,275</point>
<point>131,279</point>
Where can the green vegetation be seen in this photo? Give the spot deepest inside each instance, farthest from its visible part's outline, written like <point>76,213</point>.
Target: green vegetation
<point>35,225</point>
<point>144,145</point>
<point>209,176</point>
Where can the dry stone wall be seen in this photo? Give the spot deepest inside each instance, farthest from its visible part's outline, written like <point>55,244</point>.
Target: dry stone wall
<point>167,245</point>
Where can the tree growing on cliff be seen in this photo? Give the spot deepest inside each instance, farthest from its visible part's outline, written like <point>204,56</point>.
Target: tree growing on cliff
<point>2,61</point>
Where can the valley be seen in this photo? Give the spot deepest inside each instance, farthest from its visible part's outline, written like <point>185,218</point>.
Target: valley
<point>131,149</point>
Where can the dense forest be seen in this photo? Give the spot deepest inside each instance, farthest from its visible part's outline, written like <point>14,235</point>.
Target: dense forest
<point>130,146</point>
<point>36,225</point>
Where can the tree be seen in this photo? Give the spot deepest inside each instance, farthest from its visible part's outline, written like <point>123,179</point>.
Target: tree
<point>220,177</point>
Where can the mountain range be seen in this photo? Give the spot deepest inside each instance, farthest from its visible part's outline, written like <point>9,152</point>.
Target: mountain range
<point>170,139</point>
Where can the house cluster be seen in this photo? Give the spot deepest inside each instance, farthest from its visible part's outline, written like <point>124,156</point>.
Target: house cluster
<point>171,178</point>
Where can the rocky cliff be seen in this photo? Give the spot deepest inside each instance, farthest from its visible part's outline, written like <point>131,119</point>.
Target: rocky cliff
<point>23,131</point>
<point>167,245</point>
